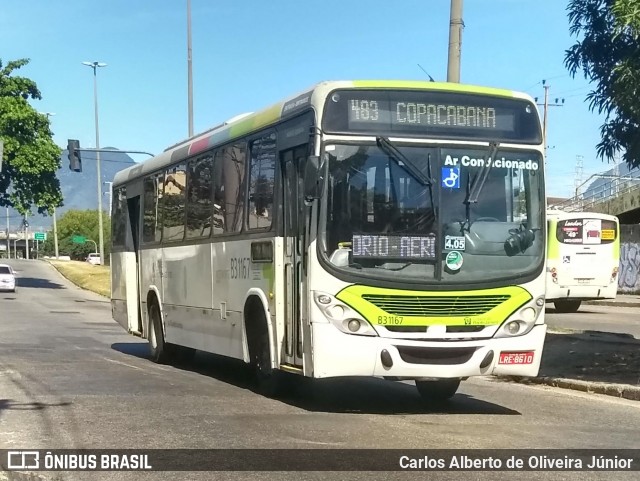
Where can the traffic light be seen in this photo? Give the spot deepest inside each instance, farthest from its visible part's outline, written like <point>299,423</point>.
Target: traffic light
<point>75,162</point>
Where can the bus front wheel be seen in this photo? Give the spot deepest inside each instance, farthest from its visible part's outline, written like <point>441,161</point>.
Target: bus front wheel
<point>438,391</point>
<point>565,306</point>
<point>269,381</point>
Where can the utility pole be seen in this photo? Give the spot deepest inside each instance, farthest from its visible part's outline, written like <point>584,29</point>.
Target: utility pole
<point>456,25</point>
<point>25,225</point>
<point>558,103</point>
<point>577,181</point>
<point>55,234</point>
<point>8,237</point>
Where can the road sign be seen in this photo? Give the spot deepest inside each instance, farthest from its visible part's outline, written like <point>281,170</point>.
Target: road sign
<point>40,236</point>
<point>78,239</point>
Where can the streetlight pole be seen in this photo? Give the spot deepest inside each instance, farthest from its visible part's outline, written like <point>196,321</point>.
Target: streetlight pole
<point>55,224</point>
<point>94,66</point>
<point>189,69</point>
<point>456,25</point>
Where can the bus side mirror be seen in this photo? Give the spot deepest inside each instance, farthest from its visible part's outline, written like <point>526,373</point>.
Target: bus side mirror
<point>313,177</point>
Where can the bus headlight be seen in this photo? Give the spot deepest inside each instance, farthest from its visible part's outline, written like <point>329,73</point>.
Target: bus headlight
<point>342,316</point>
<point>524,320</point>
<point>512,327</point>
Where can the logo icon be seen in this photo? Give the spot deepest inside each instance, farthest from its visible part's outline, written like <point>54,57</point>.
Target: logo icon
<point>23,460</point>
<point>454,260</point>
<point>451,177</point>
<point>566,259</point>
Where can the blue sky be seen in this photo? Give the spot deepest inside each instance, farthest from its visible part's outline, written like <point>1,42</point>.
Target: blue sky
<point>248,54</point>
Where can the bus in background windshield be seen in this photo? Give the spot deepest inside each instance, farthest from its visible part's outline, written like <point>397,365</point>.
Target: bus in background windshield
<point>583,254</point>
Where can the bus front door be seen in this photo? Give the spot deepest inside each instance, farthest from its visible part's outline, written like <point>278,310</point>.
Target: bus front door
<point>132,267</point>
<point>294,228</point>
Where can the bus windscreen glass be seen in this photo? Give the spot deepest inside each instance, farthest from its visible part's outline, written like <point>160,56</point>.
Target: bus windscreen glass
<point>451,115</point>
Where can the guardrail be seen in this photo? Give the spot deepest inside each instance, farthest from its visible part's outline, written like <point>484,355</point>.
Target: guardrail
<point>608,190</point>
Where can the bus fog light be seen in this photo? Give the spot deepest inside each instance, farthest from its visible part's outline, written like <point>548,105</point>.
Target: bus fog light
<point>324,299</point>
<point>354,325</point>
<point>336,311</point>
<point>528,314</point>
<point>513,327</point>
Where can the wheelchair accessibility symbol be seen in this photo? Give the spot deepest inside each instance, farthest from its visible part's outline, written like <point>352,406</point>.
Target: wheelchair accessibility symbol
<point>451,177</point>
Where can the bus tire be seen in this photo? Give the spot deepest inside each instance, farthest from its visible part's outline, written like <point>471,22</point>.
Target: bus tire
<point>438,391</point>
<point>269,382</point>
<point>566,306</point>
<point>157,348</point>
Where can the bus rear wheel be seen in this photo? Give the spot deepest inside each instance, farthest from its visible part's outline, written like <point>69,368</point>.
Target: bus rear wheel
<point>161,351</point>
<point>438,391</point>
<point>565,306</point>
<point>157,347</point>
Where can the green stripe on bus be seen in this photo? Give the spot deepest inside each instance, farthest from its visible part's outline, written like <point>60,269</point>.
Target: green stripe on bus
<point>492,306</point>
<point>256,121</point>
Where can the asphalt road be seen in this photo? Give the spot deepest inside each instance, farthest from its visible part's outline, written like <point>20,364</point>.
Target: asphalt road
<point>70,377</point>
<point>621,320</point>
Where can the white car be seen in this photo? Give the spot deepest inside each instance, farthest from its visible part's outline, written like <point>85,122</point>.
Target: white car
<point>7,278</point>
<point>94,259</point>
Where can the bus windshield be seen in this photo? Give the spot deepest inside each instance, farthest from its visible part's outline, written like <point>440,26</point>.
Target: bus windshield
<point>404,214</point>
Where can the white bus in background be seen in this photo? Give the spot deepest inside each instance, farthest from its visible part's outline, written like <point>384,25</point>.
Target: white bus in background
<point>359,228</point>
<point>583,255</point>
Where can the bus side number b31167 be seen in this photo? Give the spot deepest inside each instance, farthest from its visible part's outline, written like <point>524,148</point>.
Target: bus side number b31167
<point>239,268</point>
<point>390,320</point>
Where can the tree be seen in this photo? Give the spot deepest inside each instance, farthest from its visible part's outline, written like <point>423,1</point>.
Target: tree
<point>608,53</point>
<point>79,223</point>
<point>30,158</point>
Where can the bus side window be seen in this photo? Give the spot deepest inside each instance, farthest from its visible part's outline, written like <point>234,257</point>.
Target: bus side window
<point>199,197</point>
<point>152,222</point>
<point>119,216</point>
<point>229,173</point>
<point>261,181</point>
<point>175,183</point>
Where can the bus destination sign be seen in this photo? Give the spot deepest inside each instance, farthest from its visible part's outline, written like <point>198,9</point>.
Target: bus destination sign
<point>403,247</point>
<point>432,113</point>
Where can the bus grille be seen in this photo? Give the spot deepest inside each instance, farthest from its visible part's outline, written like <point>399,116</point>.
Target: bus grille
<point>436,306</point>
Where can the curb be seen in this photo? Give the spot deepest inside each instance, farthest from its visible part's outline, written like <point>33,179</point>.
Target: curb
<point>625,391</point>
<point>613,303</point>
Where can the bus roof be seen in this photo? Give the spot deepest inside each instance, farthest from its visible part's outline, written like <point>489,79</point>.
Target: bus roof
<point>562,215</point>
<point>314,97</point>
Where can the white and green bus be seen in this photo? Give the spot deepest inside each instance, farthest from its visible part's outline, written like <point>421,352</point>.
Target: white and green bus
<point>583,255</point>
<point>393,229</point>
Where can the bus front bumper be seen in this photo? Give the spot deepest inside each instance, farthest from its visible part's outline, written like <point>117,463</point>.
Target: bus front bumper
<point>338,354</point>
<point>583,292</point>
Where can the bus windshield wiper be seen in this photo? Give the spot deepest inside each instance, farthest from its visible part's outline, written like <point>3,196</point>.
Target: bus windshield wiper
<point>392,151</point>
<point>473,192</point>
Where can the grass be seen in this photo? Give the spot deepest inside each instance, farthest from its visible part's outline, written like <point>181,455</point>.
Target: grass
<point>93,278</point>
